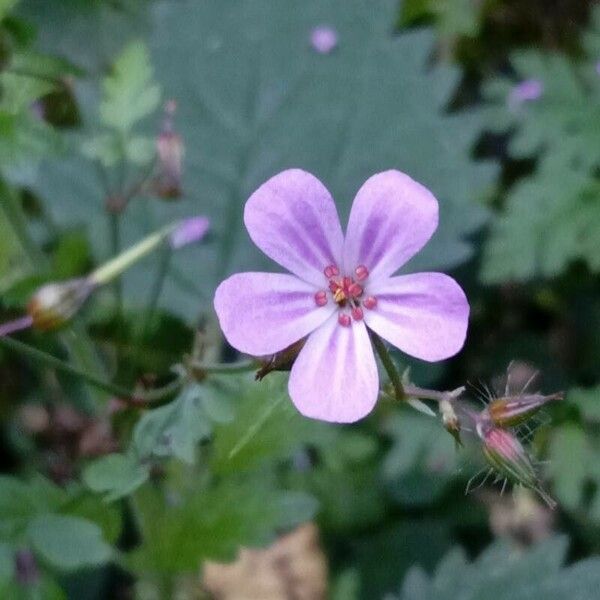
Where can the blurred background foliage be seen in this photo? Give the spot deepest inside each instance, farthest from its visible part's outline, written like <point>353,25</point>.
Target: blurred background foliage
<point>493,104</point>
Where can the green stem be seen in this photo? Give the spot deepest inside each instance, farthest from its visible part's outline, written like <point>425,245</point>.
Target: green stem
<point>115,245</point>
<point>58,364</point>
<point>136,399</point>
<point>217,368</point>
<point>389,366</point>
<point>157,287</point>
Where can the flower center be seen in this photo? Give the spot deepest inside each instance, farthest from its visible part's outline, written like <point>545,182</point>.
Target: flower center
<point>347,292</point>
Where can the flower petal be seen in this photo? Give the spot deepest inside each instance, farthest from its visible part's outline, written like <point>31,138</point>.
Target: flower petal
<point>335,376</point>
<point>425,314</point>
<point>292,218</point>
<point>262,313</point>
<point>391,219</point>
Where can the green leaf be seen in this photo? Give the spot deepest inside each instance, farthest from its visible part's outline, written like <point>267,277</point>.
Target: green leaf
<point>212,523</point>
<point>174,429</point>
<point>129,93</point>
<point>549,219</point>
<point>266,426</point>
<point>422,459</point>
<point>7,562</point>
<point>68,543</point>
<point>507,573</point>
<point>115,475</point>
<point>253,99</point>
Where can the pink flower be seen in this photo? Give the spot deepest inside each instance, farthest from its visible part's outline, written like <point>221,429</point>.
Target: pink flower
<point>189,231</point>
<point>340,286</point>
<point>529,90</point>
<point>323,39</point>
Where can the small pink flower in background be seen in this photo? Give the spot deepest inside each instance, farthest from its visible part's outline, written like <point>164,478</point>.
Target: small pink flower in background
<point>340,286</point>
<point>529,90</point>
<point>324,39</point>
<point>189,231</point>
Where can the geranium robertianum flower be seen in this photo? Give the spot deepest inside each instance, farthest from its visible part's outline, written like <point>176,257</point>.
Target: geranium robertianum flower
<point>339,286</point>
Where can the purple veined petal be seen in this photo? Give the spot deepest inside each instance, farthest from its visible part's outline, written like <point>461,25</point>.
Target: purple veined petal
<point>424,315</point>
<point>391,219</point>
<point>189,231</point>
<point>335,375</point>
<point>292,218</point>
<point>262,313</point>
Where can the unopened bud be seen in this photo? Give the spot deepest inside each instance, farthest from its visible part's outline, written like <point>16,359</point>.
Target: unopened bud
<point>170,149</point>
<point>514,410</point>
<point>189,231</point>
<point>507,455</point>
<point>54,304</point>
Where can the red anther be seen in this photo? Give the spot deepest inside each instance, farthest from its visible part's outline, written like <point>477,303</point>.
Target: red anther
<point>331,271</point>
<point>344,320</point>
<point>334,286</point>
<point>321,298</point>
<point>361,272</point>
<point>357,313</point>
<point>347,282</point>
<point>355,290</point>
<point>370,302</point>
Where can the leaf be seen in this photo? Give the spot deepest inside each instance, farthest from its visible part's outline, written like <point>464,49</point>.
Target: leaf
<point>68,543</point>
<point>266,426</point>
<point>422,459</point>
<point>549,218</point>
<point>174,429</point>
<point>253,99</point>
<point>212,523</point>
<point>506,573</point>
<point>129,93</point>
<point>115,475</point>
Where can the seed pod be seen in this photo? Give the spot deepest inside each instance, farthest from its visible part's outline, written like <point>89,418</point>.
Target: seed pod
<point>514,410</point>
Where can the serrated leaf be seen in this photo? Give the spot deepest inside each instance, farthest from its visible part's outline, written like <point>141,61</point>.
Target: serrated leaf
<point>506,573</point>
<point>129,93</point>
<point>212,523</point>
<point>68,543</point>
<point>253,98</point>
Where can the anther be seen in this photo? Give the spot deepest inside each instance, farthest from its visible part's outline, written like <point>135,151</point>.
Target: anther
<point>347,282</point>
<point>331,271</point>
<point>357,313</point>
<point>321,298</point>
<point>370,302</point>
<point>355,290</point>
<point>344,320</point>
<point>361,272</point>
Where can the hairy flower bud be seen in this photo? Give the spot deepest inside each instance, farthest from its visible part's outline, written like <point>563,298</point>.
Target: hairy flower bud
<point>514,410</point>
<point>507,456</point>
<point>54,304</point>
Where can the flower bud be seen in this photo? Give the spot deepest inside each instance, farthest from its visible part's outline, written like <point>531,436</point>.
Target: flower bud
<point>189,231</point>
<point>514,410</point>
<point>505,453</point>
<point>54,304</point>
<point>170,150</point>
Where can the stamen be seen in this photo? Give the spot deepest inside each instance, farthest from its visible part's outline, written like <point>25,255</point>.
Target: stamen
<point>331,271</point>
<point>361,272</point>
<point>344,320</point>
<point>357,313</point>
<point>355,290</point>
<point>347,282</point>
<point>321,298</point>
<point>370,302</point>
<point>339,295</point>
